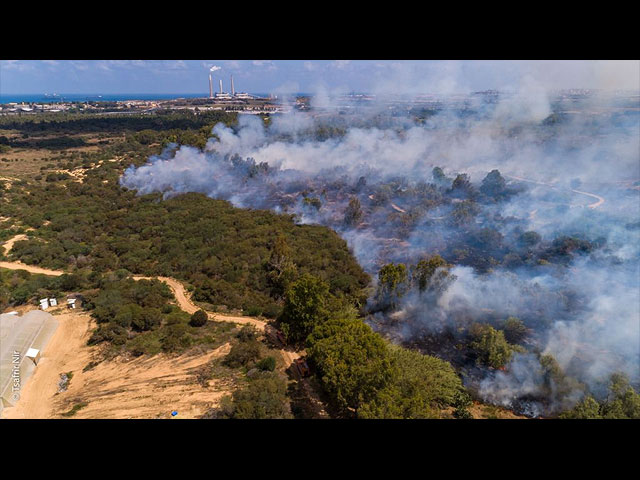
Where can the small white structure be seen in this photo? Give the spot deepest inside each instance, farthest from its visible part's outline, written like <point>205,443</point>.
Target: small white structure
<point>44,303</point>
<point>11,313</point>
<point>53,302</point>
<point>33,354</point>
<point>71,303</point>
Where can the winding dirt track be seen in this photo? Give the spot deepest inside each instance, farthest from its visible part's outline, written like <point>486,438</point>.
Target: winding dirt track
<point>185,303</point>
<point>30,268</point>
<point>180,293</point>
<point>600,200</point>
<point>182,298</point>
<point>8,245</point>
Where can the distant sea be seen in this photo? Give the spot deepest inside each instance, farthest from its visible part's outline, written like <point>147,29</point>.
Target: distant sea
<point>84,97</point>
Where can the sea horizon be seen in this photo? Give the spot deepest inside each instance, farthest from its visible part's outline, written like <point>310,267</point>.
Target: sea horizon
<point>94,97</point>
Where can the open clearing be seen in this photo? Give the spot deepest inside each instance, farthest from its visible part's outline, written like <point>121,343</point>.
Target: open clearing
<point>145,387</point>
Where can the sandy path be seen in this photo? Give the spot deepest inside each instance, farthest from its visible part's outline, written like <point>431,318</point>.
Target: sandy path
<point>185,303</point>
<point>8,245</point>
<point>600,200</point>
<point>30,268</point>
<point>147,387</point>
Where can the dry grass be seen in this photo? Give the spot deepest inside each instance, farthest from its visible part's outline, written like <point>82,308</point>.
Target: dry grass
<point>26,163</point>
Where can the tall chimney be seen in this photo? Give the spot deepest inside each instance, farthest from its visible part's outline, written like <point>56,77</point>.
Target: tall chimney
<point>210,87</point>
<point>220,85</point>
<point>233,90</point>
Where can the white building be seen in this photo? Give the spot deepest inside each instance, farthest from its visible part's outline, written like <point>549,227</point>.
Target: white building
<point>33,354</point>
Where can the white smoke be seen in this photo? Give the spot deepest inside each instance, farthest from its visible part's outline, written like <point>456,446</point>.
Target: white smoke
<point>592,341</point>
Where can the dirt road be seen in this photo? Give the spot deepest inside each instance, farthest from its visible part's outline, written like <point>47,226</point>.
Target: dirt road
<point>185,303</point>
<point>600,200</point>
<point>30,268</point>
<point>8,245</point>
<point>138,387</point>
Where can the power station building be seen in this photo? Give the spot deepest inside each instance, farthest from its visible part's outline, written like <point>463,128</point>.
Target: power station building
<point>222,95</point>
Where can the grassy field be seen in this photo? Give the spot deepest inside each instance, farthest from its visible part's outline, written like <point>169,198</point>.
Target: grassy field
<point>30,161</point>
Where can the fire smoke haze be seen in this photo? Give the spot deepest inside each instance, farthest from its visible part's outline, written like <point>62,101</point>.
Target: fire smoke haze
<point>577,177</point>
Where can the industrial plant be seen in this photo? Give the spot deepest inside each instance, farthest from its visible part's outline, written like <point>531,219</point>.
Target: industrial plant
<point>222,95</point>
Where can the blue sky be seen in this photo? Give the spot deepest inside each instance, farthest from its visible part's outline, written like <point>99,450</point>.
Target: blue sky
<point>313,76</point>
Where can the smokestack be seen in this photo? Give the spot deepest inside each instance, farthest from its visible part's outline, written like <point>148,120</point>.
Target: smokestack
<point>233,90</point>
<point>210,87</point>
<point>220,85</point>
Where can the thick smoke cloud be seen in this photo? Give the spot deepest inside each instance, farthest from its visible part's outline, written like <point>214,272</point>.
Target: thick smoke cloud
<point>577,177</point>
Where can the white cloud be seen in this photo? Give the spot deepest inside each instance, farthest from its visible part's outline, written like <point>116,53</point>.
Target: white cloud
<point>17,65</point>
<point>268,64</point>
<point>341,64</point>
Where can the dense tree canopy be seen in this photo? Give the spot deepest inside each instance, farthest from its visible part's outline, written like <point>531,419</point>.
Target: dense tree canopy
<point>304,308</point>
<point>352,361</point>
<point>421,386</point>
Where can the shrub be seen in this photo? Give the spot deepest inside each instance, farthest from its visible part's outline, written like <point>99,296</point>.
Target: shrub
<point>247,334</point>
<point>264,397</point>
<point>268,363</point>
<point>242,354</point>
<point>253,311</point>
<point>198,319</point>
<point>175,338</point>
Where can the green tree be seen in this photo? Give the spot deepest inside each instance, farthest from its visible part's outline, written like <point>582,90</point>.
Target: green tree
<point>304,307</point>
<point>353,214</point>
<point>281,269</point>
<point>490,346</point>
<point>312,202</point>
<point>392,285</point>
<point>424,274</point>
<point>493,185</point>
<point>438,175</point>
<point>588,408</point>
<point>464,213</point>
<point>267,364</point>
<point>420,386</point>
<point>353,362</point>
<point>514,330</point>
<point>462,401</point>
<point>622,400</point>
<point>149,319</point>
<point>461,186</point>
<point>242,354</point>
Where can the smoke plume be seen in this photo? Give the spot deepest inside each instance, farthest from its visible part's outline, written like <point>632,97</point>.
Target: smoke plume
<point>571,170</point>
